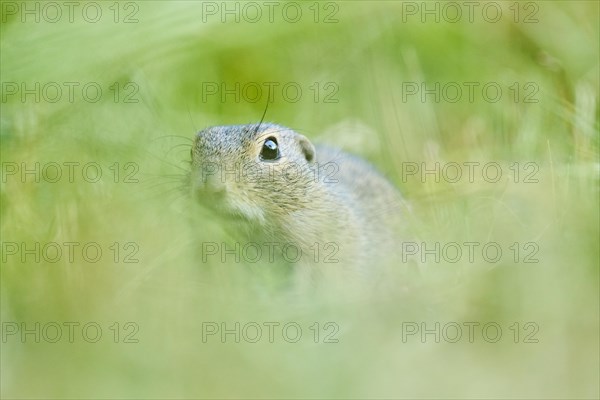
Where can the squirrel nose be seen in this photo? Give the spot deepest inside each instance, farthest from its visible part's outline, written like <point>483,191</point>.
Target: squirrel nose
<point>208,179</point>
<point>209,190</point>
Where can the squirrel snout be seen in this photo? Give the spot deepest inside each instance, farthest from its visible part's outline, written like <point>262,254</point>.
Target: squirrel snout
<point>208,178</point>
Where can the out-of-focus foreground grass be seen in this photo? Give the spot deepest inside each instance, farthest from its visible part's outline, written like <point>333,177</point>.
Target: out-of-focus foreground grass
<point>368,57</point>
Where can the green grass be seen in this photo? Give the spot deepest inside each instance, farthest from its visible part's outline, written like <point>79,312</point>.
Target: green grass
<point>368,55</point>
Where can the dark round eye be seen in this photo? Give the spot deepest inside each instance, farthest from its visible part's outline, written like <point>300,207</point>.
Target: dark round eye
<point>270,150</point>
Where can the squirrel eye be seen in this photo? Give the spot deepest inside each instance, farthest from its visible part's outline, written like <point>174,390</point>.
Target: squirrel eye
<point>270,150</point>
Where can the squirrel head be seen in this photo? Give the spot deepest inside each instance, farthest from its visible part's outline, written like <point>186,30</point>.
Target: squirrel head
<point>254,171</point>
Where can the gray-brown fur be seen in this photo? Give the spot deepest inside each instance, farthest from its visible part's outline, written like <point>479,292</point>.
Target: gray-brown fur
<point>329,196</point>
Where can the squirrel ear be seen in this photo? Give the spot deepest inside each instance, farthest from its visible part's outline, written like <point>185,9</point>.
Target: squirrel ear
<point>307,148</point>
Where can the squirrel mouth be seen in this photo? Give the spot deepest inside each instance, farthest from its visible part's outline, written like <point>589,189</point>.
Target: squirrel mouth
<point>217,203</point>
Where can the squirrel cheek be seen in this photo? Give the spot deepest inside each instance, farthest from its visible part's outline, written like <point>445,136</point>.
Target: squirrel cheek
<point>251,211</point>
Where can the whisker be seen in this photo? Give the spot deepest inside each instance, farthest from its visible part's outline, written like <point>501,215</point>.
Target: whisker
<point>176,146</point>
<point>172,136</point>
<point>264,112</point>
<point>191,119</point>
<point>167,162</point>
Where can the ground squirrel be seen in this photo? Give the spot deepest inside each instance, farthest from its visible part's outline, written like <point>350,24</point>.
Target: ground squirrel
<point>283,189</point>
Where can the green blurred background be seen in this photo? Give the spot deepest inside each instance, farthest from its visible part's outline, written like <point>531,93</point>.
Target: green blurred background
<point>353,61</point>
